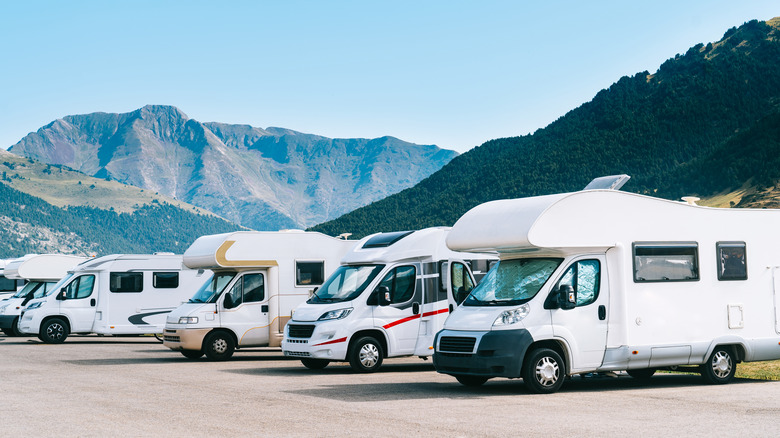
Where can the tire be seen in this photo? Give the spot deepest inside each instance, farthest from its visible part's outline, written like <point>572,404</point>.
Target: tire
<point>641,373</point>
<point>219,346</point>
<point>192,354</point>
<point>12,331</point>
<point>543,371</point>
<point>54,331</point>
<point>315,364</point>
<point>721,367</point>
<point>366,355</point>
<point>471,380</point>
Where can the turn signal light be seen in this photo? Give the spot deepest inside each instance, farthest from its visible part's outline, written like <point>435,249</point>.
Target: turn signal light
<point>634,352</point>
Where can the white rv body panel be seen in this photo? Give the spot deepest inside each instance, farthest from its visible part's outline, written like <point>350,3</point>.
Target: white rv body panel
<point>113,295</point>
<point>660,299</point>
<point>420,270</point>
<point>282,268</point>
<point>41,272</point>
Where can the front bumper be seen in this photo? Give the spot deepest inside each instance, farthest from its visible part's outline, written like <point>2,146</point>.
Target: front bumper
<point>8,321</point>
<point>497,353</point>
<point>184,339</point>
<point>321,340</point>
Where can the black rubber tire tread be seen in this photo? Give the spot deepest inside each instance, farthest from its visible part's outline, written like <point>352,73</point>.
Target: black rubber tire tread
<point>355,353</point>
<point>54,331</point>
<point>529,374</point>
<point>471,380</point>
<point>720,354</point>
<point>641,373</point>
<point>314,364</point>
<point>192,354</point>
<point>219,346</point>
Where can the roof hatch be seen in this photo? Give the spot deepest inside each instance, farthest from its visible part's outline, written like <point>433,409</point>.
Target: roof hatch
<point>383,240</point>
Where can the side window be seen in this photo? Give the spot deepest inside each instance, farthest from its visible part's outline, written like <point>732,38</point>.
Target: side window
<point>126,281</point>
<point>732,261</point>
<point>401,281</point>
<point>235,295</point>
<point>254,288</point>
<point>666,262</point>
<point>165,280</point>
<point>81,287</point>
<point>461,282</point>
<point>309,273</point>
<point>7,285</point>
<point>584,276</point>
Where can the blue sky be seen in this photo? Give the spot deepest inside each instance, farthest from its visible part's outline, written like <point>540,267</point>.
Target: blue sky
<point>450,73</point>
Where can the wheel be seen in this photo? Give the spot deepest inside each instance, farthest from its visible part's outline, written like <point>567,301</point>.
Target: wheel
<point>721,366</point>
<point>543,371</point>
<point>192,354</point>
<point>641,373</point>
<point>54,331</point>
<point>315,364</point>
<point>219,346</point>
<point>12,331</point>
<point>366,355</point>
<point>471,380</point>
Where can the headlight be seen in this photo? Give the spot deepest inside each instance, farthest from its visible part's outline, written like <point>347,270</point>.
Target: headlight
<point>34,305</point>
<point>509,317</point>
<point>188,320</point>
<point>335,314</point>
<point>2,308</point>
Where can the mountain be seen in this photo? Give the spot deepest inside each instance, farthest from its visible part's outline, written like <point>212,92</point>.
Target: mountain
<point>264,179</point>
<point>706,124</point>
<point>91,215</point>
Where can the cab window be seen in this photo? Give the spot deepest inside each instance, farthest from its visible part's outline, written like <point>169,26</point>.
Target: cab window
<point>81,287</point>
<point>462,284</point>
<point>250,288</point>
<point>584,277</point>
<point>401,281</point>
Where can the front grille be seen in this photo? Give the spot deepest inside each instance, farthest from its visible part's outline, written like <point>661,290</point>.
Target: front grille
<point>297,353</point>
<point>455,354</point>
<point>300,331</point>
<point>170,331</point>
<point>297,341</point>
<point>170,338</point>
<point>457,344</point>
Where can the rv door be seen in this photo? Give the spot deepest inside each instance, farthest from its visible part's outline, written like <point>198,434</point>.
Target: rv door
<point>400,319</point>
<point>80,303</point>
<point>244,309</point>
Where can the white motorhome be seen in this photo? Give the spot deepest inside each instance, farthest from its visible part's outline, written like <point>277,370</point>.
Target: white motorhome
<point>602,280</point>
<point>117,294</point>
<point>42,272</point>
<point>8,286</point>
<point>388,299</point>
<point>259,278</point>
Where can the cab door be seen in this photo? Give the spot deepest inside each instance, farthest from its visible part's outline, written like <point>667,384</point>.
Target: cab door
<point>79,303</point>
<point>400,318</point>
<point>244,309</point>
<point>584,327</point>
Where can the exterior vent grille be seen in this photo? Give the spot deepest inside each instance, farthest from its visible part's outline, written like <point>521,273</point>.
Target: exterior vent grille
<point>300,331</point>
<point>296,353</point>
<point>457,344</point>
<point>170,338</point>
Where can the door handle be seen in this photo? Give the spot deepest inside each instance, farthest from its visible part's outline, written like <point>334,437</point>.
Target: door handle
<point>602,312</point>
<point>264,308</point>
<point>92,302</point>
<point>452,308</point>
<point>416,308</point>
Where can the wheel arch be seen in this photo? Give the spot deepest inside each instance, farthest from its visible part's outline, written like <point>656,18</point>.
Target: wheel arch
<point>50,317</point>
<point>553,344</point>
<point>374,333</point>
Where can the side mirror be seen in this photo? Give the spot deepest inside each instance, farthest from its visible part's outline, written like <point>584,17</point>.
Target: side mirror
<point>63,295</point>
<point>228,302</point>
<point>567,297</point>
<point>383,296</point>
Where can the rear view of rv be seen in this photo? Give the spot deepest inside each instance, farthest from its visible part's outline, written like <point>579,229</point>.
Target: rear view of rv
<point>41,272</point>
<point>111,295</point>
<point>259,278</point>
<point>8,286</point>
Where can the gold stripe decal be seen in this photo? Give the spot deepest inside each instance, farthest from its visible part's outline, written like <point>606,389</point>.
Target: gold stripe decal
<point>222,261</point>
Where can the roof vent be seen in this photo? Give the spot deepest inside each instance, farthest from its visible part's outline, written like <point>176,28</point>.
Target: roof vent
<point>384,240</point>
<point>690,200</point>
<point>613,182</point>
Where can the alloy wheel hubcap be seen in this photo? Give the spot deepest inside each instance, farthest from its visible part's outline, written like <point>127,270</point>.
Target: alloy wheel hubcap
<point>721,364</point>
<point>368,355</point>
<point>547,371</point>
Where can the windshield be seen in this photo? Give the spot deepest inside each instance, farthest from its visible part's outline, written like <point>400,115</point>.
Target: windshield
<point>38,289</point>
<point>346,284</point>
<point>211,289</point>
<point>57,286</point>
<point>512,282</point>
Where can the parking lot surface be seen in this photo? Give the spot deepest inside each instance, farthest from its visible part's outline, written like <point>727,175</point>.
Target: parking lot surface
<point>105,386</point>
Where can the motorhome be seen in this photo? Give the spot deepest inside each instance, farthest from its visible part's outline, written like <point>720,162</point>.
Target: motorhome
<point>603,280</point>
<point>259,278</point>
<point>8,286</point>
<point>388,299</point>
<point>118,294</point>
<point>41,272</point>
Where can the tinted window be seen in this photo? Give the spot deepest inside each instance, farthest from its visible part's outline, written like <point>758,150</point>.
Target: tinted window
<point>666,262</point>
<point>309,273</point>
<point>732,261</point>
<point>165,280</point>
<point>80,287</point>
<point>401,281</point>
<point>7,285</point>
<point>126,281</point>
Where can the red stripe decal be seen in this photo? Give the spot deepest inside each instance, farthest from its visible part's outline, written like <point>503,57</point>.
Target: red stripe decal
<point>413,317</point>
<point>335,341</point>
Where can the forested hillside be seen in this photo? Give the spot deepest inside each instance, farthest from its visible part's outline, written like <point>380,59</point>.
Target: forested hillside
<point>705,122</point>
<point>31,225</point>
